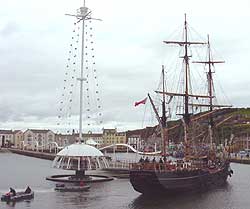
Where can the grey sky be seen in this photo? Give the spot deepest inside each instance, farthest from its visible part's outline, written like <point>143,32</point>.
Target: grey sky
<point>34,39</point>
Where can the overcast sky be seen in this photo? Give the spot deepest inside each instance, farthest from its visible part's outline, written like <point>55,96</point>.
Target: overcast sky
<point>129,52</point>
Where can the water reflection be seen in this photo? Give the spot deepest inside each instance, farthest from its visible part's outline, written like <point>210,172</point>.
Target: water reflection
<point>72,198</point>
<point>204,200</point>
<point>27,204</point>
<point>117,194</point>
<point>84,199</point>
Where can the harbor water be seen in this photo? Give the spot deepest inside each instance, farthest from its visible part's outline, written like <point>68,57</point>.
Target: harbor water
<point>18,171</point>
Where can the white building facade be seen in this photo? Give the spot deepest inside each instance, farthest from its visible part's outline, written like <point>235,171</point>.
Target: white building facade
<point>38,139</point>
<point>6,138</point>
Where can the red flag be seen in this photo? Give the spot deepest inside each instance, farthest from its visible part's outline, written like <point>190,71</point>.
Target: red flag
<point>141,102</point>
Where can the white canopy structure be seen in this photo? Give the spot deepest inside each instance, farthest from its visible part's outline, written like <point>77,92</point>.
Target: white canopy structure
<point>80,150</point>
<point>80,157</point>
<point>92,142</point>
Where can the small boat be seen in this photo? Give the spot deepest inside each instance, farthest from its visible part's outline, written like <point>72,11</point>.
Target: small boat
<point>71,188</point>
<point>8,197</point>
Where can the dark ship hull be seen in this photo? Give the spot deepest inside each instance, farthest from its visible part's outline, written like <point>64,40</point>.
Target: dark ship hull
<point>172,182</point>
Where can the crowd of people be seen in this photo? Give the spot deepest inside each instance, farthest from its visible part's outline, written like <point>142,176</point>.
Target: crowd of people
<point>147,160</point>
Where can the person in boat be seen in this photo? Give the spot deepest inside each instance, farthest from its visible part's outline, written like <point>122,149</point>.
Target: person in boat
<point>153,161</point>
<point>81,183</point>
<point>28,190</point>
<point>12,191</point>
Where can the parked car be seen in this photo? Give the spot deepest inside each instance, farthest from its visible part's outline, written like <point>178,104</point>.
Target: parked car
<point>242,153</point>
<point>248,152</point>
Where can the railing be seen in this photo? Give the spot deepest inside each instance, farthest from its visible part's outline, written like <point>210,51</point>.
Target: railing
<point>120,164</point>
<point>34,146</point>
<point>173,166</point>
<point>131,148</point>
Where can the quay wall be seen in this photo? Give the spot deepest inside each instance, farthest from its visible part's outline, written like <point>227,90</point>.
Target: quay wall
<point>4,150</point>
<point>41,155</point>
<point>240,160</point>
<point>51,156</point>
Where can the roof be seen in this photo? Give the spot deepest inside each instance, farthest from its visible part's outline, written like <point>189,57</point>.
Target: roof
<point>64,135</point>
<point>87,135</point>
<point>92,135</point>
<point>16,131</point>
<point>6,132</point>
<point>38,130</point>
<point>80,150</point>
<point>144,133</point>
<point>121,133</point>
<point>113,130</point>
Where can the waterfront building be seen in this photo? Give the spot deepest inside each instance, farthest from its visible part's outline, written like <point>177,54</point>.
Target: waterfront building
<point>144,139</point>
<point>108,136</point>
<point>18,138</point>
<point>64,139</point>
<point>95,137</point>
<point>121,137</point>
<point>111,136</point>
<point>7,138</point>
<point>35,138</point>
<point>241,142</point>
<point>134,140</point>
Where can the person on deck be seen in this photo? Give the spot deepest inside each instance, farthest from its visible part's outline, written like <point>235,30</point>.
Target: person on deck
<point>141,160</point>
<point>161,163</point>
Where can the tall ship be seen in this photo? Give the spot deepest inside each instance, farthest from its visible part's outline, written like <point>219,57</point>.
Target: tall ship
<point>202,166</point>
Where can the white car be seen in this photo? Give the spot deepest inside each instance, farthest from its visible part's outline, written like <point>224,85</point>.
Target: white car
<point>242,153</point>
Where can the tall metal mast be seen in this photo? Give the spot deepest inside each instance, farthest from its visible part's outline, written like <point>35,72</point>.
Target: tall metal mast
<point>83,14</point>
<point>83,11</point>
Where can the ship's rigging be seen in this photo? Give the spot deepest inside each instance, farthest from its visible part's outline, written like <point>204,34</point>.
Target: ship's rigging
<point>189,129</point>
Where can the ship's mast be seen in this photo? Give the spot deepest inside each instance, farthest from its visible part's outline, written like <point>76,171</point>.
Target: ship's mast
<point>164,118</point>
<point>210,62</point>
<point>83,14</point>
<point>210,92</point>
<point>210,78</point>
<point>186,43</point>
<point>186,59</point>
